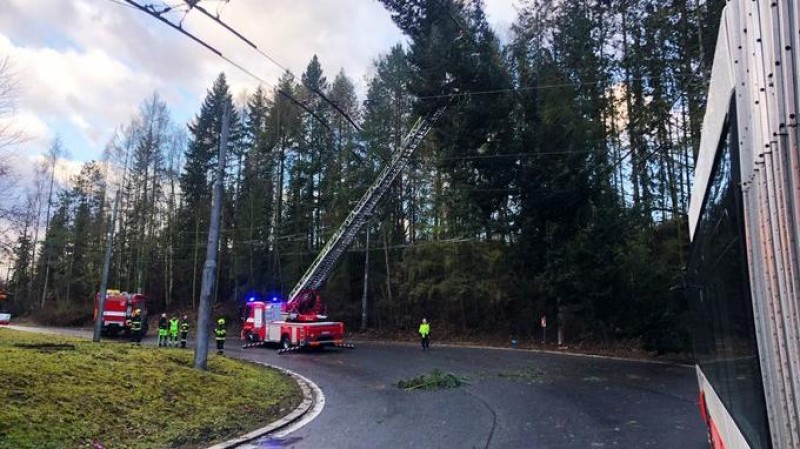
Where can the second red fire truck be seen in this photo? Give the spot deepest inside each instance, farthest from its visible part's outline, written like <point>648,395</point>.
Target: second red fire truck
<point>118,311</point>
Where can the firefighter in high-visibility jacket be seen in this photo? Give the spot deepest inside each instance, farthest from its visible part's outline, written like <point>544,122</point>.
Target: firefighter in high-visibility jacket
<point>424,333</point>
<point>162,330</point>
<point>219,335</point>
<point>184,330</point>
<point>136,327</point>
<point>174,324</point>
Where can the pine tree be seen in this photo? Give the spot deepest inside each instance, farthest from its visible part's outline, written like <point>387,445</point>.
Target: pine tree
<point>196,181</point>
<point>254,212</point>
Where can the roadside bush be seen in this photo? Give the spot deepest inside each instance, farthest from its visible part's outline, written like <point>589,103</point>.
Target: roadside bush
<point>60,314</point>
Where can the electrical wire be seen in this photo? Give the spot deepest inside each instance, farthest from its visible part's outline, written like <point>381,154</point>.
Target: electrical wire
<point>194,4</point>
<point>151,12</point>
<point>522,88</point>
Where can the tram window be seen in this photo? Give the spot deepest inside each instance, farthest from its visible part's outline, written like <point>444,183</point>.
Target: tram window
<point>724,340</point>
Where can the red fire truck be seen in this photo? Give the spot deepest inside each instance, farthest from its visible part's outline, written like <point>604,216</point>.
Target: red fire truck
<point>297,324</point>
<point>119,309</point>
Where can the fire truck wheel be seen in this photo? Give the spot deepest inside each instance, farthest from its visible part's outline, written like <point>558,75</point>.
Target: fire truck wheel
<point>285,342</point>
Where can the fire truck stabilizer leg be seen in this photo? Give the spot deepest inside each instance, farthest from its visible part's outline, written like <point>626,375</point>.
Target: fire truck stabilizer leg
<point>289,349</point>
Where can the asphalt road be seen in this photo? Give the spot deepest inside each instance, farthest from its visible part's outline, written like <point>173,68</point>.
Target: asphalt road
<point>514,399</point>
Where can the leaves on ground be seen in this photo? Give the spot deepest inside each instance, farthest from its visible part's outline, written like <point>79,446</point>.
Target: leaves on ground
<point>436,380</point>
<point>528,374</point>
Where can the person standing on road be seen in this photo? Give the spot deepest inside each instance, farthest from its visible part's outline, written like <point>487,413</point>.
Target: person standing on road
<point>162,330</point>
<point>184,330</point>
<point>219,335</point>
<point>173,331</point>
<point>136,327</point>
<point>424,333</point>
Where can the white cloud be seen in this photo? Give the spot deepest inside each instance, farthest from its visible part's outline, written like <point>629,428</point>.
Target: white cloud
<point>36,131</point>
<point>501,15</point>
<point>89,90</point>
<point>66,169</point>
<point>86,65</point>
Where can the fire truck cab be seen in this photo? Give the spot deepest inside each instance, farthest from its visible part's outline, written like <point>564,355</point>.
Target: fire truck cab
<point>118,311</point>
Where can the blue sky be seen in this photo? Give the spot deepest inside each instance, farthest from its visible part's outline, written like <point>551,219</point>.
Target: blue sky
<point>85,66</point>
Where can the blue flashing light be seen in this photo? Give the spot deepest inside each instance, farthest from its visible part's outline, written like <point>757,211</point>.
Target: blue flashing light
<point>251,299</point>
<point>275,299</point>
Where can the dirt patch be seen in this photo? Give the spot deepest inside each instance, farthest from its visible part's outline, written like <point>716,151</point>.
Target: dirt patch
<point>46,347</point>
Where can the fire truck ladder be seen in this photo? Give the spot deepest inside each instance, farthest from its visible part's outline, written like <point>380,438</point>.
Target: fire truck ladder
<point>326,260</point>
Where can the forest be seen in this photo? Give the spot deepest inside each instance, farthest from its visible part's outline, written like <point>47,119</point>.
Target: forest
<point>555,183</point>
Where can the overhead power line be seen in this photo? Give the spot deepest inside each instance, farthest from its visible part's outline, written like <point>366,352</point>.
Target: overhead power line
<point>194,4</point>
<point>149,10</point>
<point>538,87</point>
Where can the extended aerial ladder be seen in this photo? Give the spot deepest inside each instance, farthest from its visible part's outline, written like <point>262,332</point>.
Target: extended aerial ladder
<point>326,260</point>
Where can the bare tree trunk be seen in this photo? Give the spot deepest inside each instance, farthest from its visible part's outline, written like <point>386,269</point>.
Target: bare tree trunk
<point>561,322</point>
<point>388,269</point>
<point>278,220</point>
<point>194,262</point>
<point>170,258</point>
<point>40,171</point>
<point>366,285</point>
<point>54,153</point>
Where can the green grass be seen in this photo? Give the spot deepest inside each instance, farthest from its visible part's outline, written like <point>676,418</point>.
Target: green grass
<point>76,391</point>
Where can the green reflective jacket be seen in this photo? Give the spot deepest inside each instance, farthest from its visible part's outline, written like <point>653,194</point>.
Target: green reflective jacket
<point>220,333</point>
<point>424,329</point>
<point>173,325</point>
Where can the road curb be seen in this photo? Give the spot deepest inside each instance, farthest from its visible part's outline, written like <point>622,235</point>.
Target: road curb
<point>307,387</point>
<point>535,350</point>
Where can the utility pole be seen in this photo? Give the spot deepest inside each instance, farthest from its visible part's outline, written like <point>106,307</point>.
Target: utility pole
<point>210,266</point>
<point>101,305</point>
<point>366,284</point>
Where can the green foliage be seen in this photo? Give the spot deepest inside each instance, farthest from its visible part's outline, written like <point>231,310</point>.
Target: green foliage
<point>466,285</point>
<point>436,380</point>
<point>127,397</point>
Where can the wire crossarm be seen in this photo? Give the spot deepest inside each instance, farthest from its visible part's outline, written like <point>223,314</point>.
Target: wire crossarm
<point>326,260</point>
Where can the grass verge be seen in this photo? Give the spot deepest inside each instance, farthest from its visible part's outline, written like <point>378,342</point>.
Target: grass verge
<point>62,392</point>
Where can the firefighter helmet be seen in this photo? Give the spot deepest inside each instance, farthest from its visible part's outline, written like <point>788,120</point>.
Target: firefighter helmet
<point>221,321</point>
